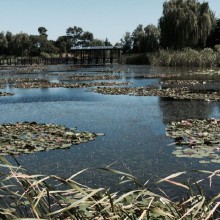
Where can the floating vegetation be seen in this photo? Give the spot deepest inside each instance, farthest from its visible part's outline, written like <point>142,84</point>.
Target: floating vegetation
<point>6,94</point>
<point>196,139</point>
<point>31,85</point>
<point>183,82</point>
<point>160,76</point>
<point>19,80</point>
<point>30,137</point>
<point>174,93</point>
<point>97,77</point>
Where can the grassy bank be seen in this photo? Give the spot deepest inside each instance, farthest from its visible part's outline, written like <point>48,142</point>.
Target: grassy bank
<point>185,58</point>
<point>51,197</point>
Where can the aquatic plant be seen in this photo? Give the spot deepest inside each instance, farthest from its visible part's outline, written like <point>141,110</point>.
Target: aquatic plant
<point>24,195</point>
<point>182,93</point>
<point>196,138</point>
<point>97,77</point>
<point>29,137</point>
<point>42,84</point>
<point>187,57</point>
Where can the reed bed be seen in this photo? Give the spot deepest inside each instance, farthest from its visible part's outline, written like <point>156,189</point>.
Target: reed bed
<point>183,58</point>
<point>27,196</point>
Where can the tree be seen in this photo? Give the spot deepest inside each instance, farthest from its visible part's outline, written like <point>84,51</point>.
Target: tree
<point>185,23</point>
<point>21,44</point>
<point>97,42</point>
<point>150,41</point>
<point>137,35</point>
<point>42,31</point>
<point>75,34</point>
<point>64,44</point>
<point>10,38</point>
<point>126,43</point>
<point>85,38</point>
<point>3,43</point>
<point>214,38</point>
<point>107,43</point>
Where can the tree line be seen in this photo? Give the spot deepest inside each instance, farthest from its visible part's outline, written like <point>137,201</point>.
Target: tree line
<point>184,23</point>
<point>22,44</point>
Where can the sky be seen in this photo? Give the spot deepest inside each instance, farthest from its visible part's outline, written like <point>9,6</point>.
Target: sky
<point>104,18</point>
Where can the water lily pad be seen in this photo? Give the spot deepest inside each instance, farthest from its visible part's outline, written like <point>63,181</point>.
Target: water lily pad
<point>28,137</point>
<point>198,138</point>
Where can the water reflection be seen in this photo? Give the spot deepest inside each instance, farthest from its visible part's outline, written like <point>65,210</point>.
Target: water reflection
<point>174,110</point>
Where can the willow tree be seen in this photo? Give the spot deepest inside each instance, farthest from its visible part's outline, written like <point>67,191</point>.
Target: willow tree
<point>185,23</point>
<point>21,44</point>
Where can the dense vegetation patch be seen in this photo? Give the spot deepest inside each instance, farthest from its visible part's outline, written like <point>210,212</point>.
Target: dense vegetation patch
<point>37,84</point>
<point>28,137</point>
<point>183,93</point>
<point>196,139</point>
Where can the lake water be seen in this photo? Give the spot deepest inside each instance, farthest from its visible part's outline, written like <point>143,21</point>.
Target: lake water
<point>134,127</point>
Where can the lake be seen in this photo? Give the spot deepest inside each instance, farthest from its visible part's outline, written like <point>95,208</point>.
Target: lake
<point>134,126</point>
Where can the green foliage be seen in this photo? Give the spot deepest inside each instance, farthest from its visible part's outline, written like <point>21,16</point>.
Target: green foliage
<point>21,44</point>
<point>136,59</point>
<point>217,48</point>
<point>141,40</point>
<point>185,57</point>
<point>151,39</point>
<point>126,42</point>
<point>3,43</point>
<point>137,37</point>
<point>185,23</point>
<point>42,31</point>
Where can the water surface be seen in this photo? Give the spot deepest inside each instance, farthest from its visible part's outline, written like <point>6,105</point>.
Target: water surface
<point>134,127</point>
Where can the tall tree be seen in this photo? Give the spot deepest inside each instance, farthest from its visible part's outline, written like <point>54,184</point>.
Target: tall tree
<point>63,43</point>
<point>75,34</point>
<point>214,38</point>
<point>42,31</point>
<point>137,35</point>
<point>10,38</point>
<point>86,37</point>
<point>21,44</point>
<point>3,43</point>
<point>126,42</point>
<point>150,41</point>
<point>185,23</point>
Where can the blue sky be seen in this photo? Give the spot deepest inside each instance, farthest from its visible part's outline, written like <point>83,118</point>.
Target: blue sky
<point>104,18</point>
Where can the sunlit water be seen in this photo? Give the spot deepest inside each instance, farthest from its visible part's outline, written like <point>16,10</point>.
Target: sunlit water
<point>134,127</point>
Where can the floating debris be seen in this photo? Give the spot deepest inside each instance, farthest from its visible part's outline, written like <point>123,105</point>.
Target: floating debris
<point>28,137</point>
<point>196,138</point>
